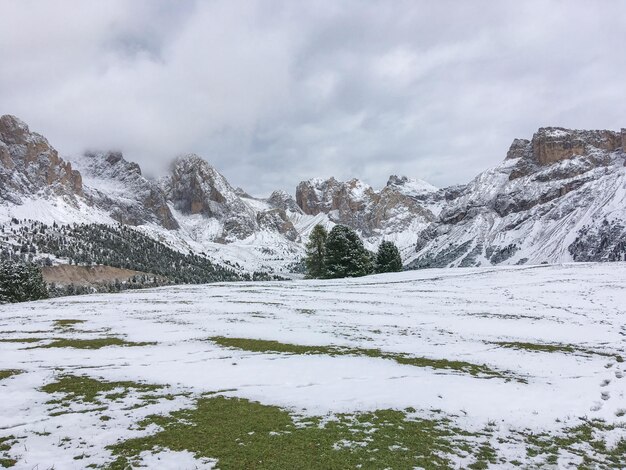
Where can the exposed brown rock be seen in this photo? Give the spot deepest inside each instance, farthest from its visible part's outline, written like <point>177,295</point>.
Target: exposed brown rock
<point>552,144</point>
<point>277,220</point>
<point>195,187</point>
<point>29,164</point>
<point>88,275</point>
<point>5,156</point>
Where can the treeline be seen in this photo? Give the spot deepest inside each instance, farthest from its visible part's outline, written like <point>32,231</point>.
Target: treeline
<point>341,253</point>
<point>22,282</point>
<point>117,246</point>
<point>25,245</point>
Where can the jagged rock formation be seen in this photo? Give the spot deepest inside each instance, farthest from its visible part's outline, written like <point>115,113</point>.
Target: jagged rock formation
<point>195,187</point>
<point>29,165</point>
<point>552,144</point>
<point>282,200</point>
<point>118,187</point>
<point>277,220</point>
<point>359,206</point>
<point>559,196</point>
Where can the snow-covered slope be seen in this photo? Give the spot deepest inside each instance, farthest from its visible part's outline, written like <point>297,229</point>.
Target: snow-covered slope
<point>118,187</point>
<point>520,365</point>
<point>535,208</point>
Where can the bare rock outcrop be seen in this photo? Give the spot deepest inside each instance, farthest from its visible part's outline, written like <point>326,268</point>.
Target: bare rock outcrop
<point>520,148</point>
<point>552,144</point>
<point>357,205</point>
<point>30,165</point>
<point>118,186</point>
<point>276,220</point>
<point>195,187</point>
<point>285,201</point>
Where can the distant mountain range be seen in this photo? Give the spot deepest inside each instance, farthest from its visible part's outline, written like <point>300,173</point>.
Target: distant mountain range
<point>560,196</point>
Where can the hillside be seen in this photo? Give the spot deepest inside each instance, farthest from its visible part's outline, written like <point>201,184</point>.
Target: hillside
<point>66,274</point>
<point>514,366</point>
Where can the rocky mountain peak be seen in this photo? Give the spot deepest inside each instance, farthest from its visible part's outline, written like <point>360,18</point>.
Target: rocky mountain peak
<point>282,200</point>
<point>13,130</point>
<point>108,164</point>
<point>318,195</point>
<point>552,145</point>
<point>116,161</point>
<point>395,180</point>
<point>195,187</point>
<point>29,164</point>
<point>358,205</point>
<point>117,186</point>
<point>410,186</point>
<point>520,148</point>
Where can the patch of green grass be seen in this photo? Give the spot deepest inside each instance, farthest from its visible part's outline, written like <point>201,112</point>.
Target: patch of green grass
<point>21,340</point>
<point>94,343</point>
<point>243,435</point>
<point>7,462</point>
<point>536,346</point>
<point>550,348</point>
<point>267,346</point>
<point>6,373</point>
<point>67,323</point>
<point>68,412</point>
<point>83,389</point>
<point>6,443</point>
<point>260,345</point>
<point>584,440</point>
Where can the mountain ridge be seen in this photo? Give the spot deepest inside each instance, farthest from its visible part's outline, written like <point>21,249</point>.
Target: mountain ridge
<point>559,196</point>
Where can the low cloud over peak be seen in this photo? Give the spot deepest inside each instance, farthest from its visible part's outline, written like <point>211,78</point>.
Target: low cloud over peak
<point>291,90</point>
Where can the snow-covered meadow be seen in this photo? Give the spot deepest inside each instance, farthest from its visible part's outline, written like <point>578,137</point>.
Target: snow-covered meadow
<point>512,366</point>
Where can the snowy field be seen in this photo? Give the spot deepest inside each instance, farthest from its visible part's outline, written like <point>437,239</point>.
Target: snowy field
<point>459,368</point>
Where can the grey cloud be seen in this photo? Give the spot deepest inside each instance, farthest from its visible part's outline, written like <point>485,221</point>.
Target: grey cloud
<point>272,92</point>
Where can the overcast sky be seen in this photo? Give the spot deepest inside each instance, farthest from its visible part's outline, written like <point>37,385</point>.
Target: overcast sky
<point>274,92</point>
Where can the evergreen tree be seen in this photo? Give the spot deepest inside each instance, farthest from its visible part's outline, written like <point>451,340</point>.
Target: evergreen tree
<point>388,258</point>
<point>21,282</point>
<point>315,252</point>
<point>345,254</point>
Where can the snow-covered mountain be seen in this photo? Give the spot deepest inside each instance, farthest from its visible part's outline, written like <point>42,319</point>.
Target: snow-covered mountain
<point>557,197</point>
<point>117,186</point>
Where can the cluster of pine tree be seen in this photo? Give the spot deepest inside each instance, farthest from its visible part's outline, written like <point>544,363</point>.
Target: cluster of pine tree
<point>27,243</point>
<point>341,253</point>
<point>20,282</point>
<point>117,246</point>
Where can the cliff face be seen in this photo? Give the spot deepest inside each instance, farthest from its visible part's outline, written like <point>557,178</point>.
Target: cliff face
<point>552,144</point>
<point>195,187</point>
<point>355,204</point>
<point>30,165</point>
<point>118,187</point>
